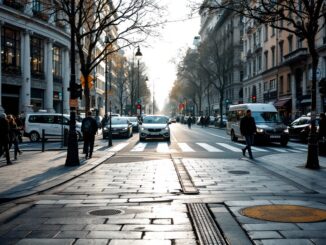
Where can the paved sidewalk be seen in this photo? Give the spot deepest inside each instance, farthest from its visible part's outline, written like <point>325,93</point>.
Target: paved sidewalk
<point>37,171</point>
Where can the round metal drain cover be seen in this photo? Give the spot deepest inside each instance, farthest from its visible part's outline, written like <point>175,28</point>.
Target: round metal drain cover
<point>105,212</point>
<point>285,213</point>
<point>239,172</point>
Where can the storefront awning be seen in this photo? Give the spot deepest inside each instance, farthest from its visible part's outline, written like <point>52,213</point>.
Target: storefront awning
<point>282,102</point>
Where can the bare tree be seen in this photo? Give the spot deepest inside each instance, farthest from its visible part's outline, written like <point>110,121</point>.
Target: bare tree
<point>216,59</point>
<point>121,80</point>
<point>303,18</point>
<point>125,23</point>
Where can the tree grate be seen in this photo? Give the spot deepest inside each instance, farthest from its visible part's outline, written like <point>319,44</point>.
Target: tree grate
<point>105,212</point>
<point>205,227</point>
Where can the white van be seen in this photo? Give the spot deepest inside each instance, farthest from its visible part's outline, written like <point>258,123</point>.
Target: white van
<point>270,128</point>
<point>52,123</point>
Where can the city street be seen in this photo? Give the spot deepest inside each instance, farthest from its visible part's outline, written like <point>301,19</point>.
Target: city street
<point>189,191</point>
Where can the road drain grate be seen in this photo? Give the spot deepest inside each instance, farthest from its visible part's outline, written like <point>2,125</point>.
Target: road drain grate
<point>105,212</point>
<point>187,185</point>
<point>205,226</point>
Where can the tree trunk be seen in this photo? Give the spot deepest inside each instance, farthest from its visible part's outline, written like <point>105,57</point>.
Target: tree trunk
<point>221,107</point>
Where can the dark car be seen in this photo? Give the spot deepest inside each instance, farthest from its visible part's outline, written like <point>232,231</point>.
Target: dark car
<point>299,128</point>
<point>135,123</point>
<point>120,126</point>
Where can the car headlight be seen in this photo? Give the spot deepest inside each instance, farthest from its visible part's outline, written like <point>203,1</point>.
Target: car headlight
<point>142,128</point>
<point>167,128</point>
<point>260,130</point>
<point>286,131</point>
<point>125,129</point>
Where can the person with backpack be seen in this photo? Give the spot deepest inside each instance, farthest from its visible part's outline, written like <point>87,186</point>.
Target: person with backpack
<point>89,128</point>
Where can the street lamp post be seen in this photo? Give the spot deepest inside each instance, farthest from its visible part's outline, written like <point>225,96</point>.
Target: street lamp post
<point>153,99</point>
<point>138,56</point>
<point>106,91</point>
<point>110,103</point>
<point>72,151</point>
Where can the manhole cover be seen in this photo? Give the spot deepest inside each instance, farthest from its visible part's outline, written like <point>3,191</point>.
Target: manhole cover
<point>105,212</point>
<point>238,172</point>
<point>285,213</point>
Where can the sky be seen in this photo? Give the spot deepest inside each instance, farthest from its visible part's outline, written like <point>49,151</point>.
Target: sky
<point>162,57</point>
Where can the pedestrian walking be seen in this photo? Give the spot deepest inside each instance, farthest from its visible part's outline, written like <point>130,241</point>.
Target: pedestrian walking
<point>248,129</point>
<point>202,121</point>
<point>4,137</point>
<point>189,121</point>
<point>206,121</point>
<point>13,135</point>
<point>89,129</point>
<point>20,127</point>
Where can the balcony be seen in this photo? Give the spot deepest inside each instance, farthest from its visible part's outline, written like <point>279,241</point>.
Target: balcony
<point>40,15</point>
<point>295,56</point>
<point>19,5</point>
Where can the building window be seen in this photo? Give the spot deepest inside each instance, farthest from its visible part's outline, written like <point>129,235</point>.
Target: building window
<point>259,88</point>
<point>266,33</point>
<point>37,57</point>
<point>265,86</point>
<point>273,31</point>
<point>266,59</point>
<point>272,84</point>
<point>10,48</point>
<point>281,51</point>
<point>259,58</point>
<point>290,41</point>
<point>273,56</point>
<point>299,43</point>
<point>57,64</point>
<point>288,83</point>
<point>281,85</point>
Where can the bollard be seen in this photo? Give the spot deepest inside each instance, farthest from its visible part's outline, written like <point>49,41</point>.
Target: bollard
<point>43,139</point>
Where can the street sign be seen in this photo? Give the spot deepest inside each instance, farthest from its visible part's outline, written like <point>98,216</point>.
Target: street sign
<point>73,102</point>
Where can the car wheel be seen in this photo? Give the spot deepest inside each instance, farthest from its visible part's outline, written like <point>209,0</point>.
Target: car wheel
<point>168,139</point>
<point>233,137</point>
<point>141,139</point>
<point>284,142</point>
<point>34,136</point>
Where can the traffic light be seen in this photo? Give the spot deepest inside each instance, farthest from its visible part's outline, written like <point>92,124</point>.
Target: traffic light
<point>253,99</point>
<point>322,86</point>
<point>226,101</point>
<point>75,91</point>
<point>138,107</point>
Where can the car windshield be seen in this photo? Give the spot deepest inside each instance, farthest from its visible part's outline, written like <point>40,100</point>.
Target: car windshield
<point>155,119</point>
<point>266,117</point>
<point>119,120</point>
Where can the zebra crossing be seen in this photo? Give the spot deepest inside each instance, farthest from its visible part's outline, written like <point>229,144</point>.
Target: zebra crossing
<point>164,147</point>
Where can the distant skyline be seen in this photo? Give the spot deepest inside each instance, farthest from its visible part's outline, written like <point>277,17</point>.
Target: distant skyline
<point>176,37</point>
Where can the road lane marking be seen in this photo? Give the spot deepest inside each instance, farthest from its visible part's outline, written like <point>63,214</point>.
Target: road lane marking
<point>118,147</point>
<point>295,151</point>
<point>185,147</point>
<point>218,136</point>
<point>209,147</point>
<point>256,149</point>
<point>139,147</point>
<point>230,147</point>
<point>162,147</point>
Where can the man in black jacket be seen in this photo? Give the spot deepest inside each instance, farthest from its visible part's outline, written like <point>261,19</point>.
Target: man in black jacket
<point>248,129</point>
<point>4,137</point>
<point>89,129</point>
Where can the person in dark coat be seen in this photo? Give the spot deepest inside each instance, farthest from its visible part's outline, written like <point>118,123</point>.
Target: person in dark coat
<point>189,121</point>
<point>248,129</point>
<point>322,126</point>
<point>13,135</point>
<point>202,121</point>
<point>4,137</point>
<point>89,128</point>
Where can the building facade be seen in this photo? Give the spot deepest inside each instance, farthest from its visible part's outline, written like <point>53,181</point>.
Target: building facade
<point>35,66</point>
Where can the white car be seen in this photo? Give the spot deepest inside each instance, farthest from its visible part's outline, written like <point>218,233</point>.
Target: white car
<point>52,123</point>
<point>154,126</point>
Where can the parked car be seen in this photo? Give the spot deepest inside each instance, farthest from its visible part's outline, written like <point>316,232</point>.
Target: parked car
<point>154,126</point>
<point>120,126</point>
<point>52,123</point>
<point>218,121</point>
<point>135,123</point>
<point>270,128</point>
<point>99,120</point>
<point>299,128</point>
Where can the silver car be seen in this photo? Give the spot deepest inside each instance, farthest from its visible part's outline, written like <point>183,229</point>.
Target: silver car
<point>154,127</point>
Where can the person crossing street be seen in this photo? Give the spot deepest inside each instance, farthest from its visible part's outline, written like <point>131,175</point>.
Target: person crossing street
<point>248,129</point>
<point>89,129</point>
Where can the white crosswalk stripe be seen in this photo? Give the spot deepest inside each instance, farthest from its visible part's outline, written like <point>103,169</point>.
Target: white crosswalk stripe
<point>118,147</point>
<point>139,147</point>
<point>277,149</point>
<point>295,151</point>
<point>162,147</point>
<point>185,147</point>
<point>230,147</point>
<point>209,148</point>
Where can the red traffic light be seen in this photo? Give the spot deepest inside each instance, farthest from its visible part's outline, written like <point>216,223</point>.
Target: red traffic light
<point>138,106</point>
<point>253,99</point>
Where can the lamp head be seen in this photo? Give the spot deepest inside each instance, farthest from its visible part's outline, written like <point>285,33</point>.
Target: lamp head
<point>138,53</point>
